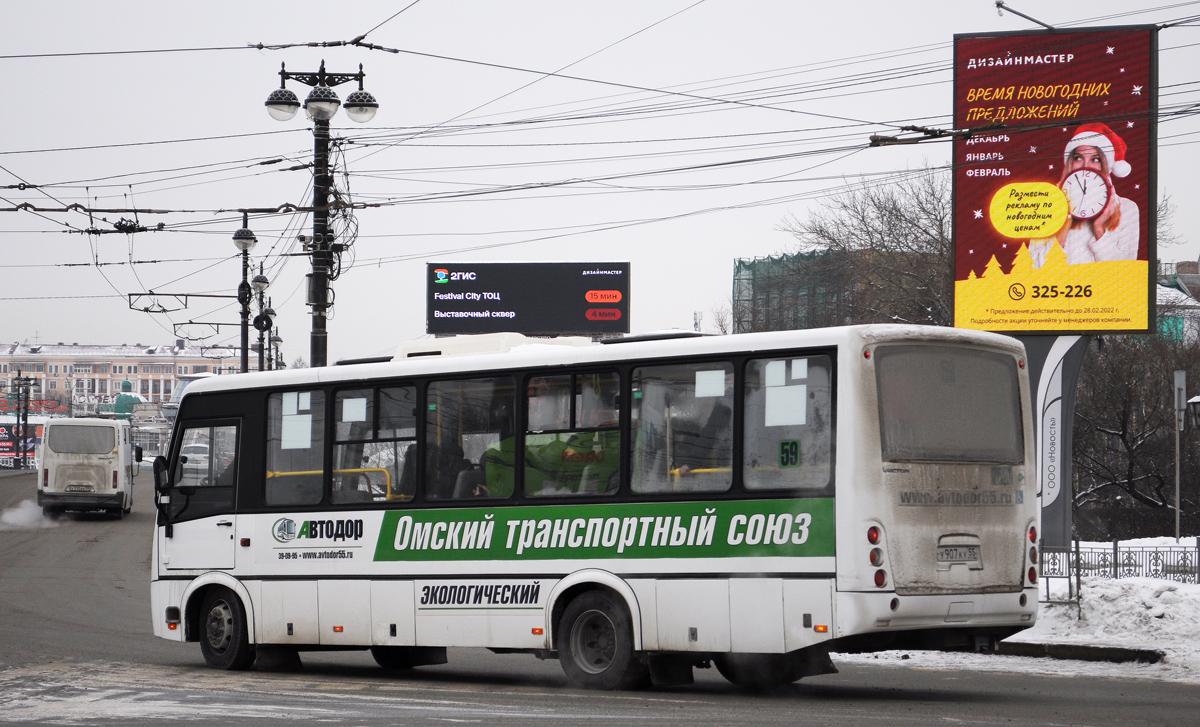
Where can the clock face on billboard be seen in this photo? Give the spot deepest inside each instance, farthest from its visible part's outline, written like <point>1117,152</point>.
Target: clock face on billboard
<point>1087,193</point>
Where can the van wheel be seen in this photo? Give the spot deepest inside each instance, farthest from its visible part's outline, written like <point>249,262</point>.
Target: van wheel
<point>759,671</point>
<point>223,636</point>
<point>595,644</point>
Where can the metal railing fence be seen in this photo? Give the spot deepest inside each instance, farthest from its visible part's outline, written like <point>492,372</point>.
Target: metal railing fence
<point>1169,562</point>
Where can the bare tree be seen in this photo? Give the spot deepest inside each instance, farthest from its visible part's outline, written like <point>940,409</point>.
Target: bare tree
<point>1165,234</point>
<point>1124,439</point>
<point>722,317</point>
<point>891,244</point>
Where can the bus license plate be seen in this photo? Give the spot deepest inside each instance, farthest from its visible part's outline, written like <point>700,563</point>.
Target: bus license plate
<point>957,553</point>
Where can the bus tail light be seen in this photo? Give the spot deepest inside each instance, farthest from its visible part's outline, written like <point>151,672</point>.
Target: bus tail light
<point>881,577</point>
<point>1033,533</point>
<point>45,479</point>
<point>873,535</point>
<point>1033,555</point>
<point>1032,574</point>
<point>114,479</point>
<point>876,557</point>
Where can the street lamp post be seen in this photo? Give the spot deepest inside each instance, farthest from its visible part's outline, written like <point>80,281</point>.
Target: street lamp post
<point>245,240</point>
<point>276,342</point>
<point>266,314</point>
<point>23,384</point>
<point>320,106</point>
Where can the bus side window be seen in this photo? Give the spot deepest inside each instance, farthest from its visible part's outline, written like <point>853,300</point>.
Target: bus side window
<point>682,428</point>
<point>469,438</point>
<point>295,448</point>
<point>573,444</point>
<point>374,462</point>
<point>788,441</point>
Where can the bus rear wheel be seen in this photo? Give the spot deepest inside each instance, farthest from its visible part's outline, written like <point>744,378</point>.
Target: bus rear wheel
<point>595,644</point>
<point>224,639</point>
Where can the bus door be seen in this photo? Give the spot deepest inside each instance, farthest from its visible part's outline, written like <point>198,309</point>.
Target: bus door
<point>202,483</point>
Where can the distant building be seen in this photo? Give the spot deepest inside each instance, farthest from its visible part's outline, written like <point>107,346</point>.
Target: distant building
<point>790,292</point>
<point>1178,308</point>
<point>89,377</point>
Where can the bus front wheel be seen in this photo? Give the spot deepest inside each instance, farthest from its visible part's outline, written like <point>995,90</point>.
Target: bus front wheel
<point>224,640</point>
<point>595,644</point>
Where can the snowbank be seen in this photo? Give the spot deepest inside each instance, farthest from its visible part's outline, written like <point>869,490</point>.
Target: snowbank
<point>1144,613</point>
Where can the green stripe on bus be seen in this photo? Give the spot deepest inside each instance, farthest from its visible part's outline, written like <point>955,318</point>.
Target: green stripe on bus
<point>626,531</point>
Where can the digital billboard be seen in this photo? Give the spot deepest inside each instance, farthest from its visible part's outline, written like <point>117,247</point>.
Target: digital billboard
<point>542,299</point>
<point>1054,188</point>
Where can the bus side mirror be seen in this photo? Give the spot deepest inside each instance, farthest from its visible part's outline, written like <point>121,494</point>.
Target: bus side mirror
<point>160,473</point>
<point>137,453</point>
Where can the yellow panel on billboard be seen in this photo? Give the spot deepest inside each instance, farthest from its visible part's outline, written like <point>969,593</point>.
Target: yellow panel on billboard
<point>1101,296</point>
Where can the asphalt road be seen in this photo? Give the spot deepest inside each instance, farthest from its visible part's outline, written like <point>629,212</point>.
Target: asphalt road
<point>76,648</point>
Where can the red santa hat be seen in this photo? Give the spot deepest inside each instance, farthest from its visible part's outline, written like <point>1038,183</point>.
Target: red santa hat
<point>1104,139</point>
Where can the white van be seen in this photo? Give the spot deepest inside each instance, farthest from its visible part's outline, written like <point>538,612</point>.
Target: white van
<point>86,464</point>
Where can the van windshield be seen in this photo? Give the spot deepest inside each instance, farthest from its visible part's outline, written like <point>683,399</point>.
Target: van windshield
<point>76,439</point>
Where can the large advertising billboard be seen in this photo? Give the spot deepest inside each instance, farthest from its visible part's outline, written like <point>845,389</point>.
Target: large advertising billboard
<point>543,299</point>
<point>1054,191</point>
<point>12,444</point>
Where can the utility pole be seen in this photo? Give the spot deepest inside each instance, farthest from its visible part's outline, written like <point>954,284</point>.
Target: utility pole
<point>320,106</point>
<point>322,248</point>
<point>22,384</point>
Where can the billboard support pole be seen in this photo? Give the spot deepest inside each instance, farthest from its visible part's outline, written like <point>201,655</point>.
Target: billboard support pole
<point>1054,366</point>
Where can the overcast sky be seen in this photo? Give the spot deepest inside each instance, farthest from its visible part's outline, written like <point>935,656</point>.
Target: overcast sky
<point>753,111</point>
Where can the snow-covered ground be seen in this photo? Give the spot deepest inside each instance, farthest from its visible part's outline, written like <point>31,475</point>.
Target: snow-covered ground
<point>1144,613</point>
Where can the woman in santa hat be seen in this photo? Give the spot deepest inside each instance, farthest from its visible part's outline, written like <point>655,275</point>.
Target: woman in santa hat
<point>1113,233</point>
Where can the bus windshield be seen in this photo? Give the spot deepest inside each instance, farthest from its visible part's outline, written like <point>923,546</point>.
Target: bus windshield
<point>945,404</point>
<point>75,439</point>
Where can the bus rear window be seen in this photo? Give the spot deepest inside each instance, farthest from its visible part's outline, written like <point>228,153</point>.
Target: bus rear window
<point>74,439</point>
<point>945,404</point>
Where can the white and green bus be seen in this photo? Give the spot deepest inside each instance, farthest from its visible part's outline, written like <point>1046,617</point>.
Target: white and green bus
<point>634,508</point>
